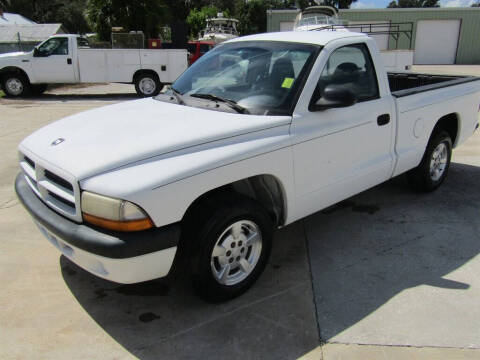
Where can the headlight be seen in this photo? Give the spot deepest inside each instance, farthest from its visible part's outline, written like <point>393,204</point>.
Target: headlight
<point>113,214</point>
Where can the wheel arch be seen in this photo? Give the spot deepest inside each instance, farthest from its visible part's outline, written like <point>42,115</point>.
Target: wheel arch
<point>144,71</point>
<point>449,123</point>
<point>266,189</point>
<point>13,69</point>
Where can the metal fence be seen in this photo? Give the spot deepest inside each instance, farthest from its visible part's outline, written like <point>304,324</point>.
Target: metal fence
<point>394,30</point>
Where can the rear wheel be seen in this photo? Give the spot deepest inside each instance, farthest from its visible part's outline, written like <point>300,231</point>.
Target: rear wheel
<point>147,84</point>
<point>230,248</point>
<point>433,168</point>
<point>15,85</point>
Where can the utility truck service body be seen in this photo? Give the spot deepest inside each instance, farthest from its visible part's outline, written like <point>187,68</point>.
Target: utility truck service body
<point>260,132</point>
<point>68,59</point>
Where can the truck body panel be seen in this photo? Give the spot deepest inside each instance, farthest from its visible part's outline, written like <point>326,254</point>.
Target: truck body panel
<point>163,156</point>
<point>127,138</point>
<point>84,65</point>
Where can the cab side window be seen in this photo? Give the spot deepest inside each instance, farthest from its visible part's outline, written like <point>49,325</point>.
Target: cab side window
<point>351,67</point>
<point>81,43</point>
<point>54,46</point>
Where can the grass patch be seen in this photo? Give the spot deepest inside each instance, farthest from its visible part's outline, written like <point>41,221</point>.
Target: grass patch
<point>2,94</point>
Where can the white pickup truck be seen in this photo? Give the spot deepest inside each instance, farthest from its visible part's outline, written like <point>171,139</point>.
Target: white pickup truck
<point>258,133</point>
<point>68,59</point>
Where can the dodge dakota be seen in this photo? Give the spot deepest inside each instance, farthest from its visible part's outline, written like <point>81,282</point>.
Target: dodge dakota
<point>260,132</point>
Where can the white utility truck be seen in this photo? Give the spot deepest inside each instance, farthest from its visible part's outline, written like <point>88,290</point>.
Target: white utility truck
<point>260,132</point>
<point>68,59</point>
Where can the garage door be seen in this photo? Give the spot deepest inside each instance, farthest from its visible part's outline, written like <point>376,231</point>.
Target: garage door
<point>436,41</point>
<point>286,25</point>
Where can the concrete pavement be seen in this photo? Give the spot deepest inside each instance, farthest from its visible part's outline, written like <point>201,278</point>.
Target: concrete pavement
<point>391,267</point>
<point>53,309</point>
<point>394,275</point>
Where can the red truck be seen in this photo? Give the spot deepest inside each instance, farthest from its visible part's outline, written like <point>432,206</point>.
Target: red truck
<point>195,48</point>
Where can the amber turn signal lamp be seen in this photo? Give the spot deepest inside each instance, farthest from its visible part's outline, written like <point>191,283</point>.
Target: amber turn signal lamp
<point>131,225</point>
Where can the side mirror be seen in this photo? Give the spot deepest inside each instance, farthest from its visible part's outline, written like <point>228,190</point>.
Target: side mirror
<point>334,96</point>
<point>38,53</point>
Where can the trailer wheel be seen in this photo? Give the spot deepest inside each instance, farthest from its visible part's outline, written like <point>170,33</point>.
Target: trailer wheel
<point>147,84</point>
<point>15,85</point>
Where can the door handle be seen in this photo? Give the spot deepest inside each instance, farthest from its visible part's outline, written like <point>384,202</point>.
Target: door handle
<point>69,61</point>
<point>383,119</point>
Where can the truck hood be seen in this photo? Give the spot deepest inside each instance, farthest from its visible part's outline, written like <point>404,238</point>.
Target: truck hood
<point>13,55</point>
<point>102,139</point>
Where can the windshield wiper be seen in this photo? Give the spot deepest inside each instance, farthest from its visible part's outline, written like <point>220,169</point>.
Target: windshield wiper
<point>178,96</point>
<point>233,104</point>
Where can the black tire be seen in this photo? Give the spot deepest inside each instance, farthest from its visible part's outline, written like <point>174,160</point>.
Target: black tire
<point>21,80</point>
<point>420,178</point>
<point>38,89</point>
<point>151,79</point>
<point>205,229</point>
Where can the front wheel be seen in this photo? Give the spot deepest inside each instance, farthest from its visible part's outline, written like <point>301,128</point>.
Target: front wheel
<point>230,250</point>
<point>147,84</point>
<point>15,85</point>
<point>433,168</point>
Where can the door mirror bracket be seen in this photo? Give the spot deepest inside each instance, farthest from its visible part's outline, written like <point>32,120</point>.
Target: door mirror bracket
<point>333,96</point>
<point>38,53</point>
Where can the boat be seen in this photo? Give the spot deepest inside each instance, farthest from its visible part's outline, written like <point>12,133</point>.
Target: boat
<point>219,29</point>
<point>317,18</point>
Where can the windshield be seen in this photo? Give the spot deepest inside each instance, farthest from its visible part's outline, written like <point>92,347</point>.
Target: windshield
<point>319,20</point>
<point>260,76</point>
<point>54,46</point>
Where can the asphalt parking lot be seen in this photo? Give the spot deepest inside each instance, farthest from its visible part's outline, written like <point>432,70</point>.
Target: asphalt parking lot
<point>387,274</point>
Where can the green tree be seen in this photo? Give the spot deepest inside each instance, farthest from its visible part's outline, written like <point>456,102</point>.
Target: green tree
<point>70,13</point>
<point>252,17</point>
<point>339,4</point>
<point>197,19</point>
<point>144,15</point>
<point>302,4</point>
<point>413,4</point>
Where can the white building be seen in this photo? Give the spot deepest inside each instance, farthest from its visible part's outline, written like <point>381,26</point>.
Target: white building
<point>17,33</point>
<point>14,19</point>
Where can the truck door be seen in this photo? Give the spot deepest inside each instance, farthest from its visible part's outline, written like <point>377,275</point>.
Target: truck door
<point>53,62</point>
<point>341,151</point>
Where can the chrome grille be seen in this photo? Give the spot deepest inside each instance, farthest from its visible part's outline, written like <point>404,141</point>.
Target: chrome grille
<point>59,193</point>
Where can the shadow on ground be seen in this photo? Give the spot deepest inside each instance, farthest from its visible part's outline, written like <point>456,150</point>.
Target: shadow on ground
<point>80,97</point>
<point>368,249</point>
<point>164,319</point>
<point>363,252</point>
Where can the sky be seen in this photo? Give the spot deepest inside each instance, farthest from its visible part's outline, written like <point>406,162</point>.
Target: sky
<point>370,4</point>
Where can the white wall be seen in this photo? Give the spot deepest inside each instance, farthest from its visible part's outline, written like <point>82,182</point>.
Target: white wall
<point>286,25</point>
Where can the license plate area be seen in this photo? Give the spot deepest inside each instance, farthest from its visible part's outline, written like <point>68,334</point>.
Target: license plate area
<point>60,245</point>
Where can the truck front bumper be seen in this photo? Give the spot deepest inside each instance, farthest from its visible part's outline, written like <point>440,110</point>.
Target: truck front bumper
<point>117,256</point>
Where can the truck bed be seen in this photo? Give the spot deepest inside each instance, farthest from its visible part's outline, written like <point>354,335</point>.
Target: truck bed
<point>120,65</point>
<point>407,83</point>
